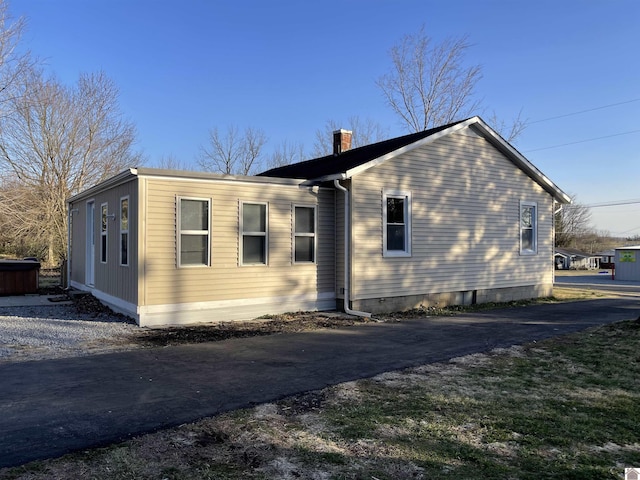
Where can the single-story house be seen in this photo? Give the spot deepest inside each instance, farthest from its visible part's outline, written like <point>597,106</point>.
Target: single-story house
<point>450,215</point>
<point>627,263</point>
<point>570,258</point>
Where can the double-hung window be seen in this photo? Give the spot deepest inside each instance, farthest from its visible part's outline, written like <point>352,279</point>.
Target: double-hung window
<point>254,243</point>
<point>104,230</point>
<point>194,231</point>
<point>124,231</point>
<point>304,234</point>
<point>396,215</point>
<point>528,228</point>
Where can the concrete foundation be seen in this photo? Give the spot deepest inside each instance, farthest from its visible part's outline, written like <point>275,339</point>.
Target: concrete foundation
<point>444,299</point>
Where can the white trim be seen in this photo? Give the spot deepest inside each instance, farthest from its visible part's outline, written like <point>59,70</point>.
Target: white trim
<point>232,310</point>
<point>121,231</point>
<point>180,232</point>
<point>264,234</point>
<point>477,124</point>
<point>534,227</point>
<point>406,196</point>
<point>412,146</point>
<point>313,235</point>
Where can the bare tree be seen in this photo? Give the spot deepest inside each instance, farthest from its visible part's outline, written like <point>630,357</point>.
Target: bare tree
<point>572,223</point>
<point>508,130</point>
<point>13,64</point>
<point>171,162</point>
<point>285,154</point>
<point>55,142</point>
<point>365,131</point>
<point>233,152</point>
<point>428,84</point>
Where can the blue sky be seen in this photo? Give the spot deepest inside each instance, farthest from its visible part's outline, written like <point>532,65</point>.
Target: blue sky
<point>288,67</point>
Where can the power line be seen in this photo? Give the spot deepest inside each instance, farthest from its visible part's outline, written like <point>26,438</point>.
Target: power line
<point>584,111</point>
<point>583,141</point>
<point>613,203</point>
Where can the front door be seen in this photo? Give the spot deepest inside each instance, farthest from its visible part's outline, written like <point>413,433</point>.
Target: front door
<point>91,245</point>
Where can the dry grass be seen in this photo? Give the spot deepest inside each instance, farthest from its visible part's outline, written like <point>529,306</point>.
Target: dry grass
<point>563,408</point>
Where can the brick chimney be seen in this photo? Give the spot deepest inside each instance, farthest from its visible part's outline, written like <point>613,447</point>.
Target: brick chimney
<point>341,141</point>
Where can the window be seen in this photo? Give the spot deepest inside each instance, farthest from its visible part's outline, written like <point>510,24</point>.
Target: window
<point>104,226</point>
<point>194,232</point>
<point>396,233</point>
<point>254,243</point>
<point>124,231</point>
<point>528,228</point>
<point>304,234</point>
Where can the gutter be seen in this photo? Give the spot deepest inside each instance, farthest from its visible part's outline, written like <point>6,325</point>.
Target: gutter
<point>347,310</point>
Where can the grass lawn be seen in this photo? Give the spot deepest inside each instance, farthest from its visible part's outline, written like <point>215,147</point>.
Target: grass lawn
<point>564,408</point>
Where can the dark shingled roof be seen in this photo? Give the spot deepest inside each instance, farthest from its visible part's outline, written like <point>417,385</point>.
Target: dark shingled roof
<point>341,163</point>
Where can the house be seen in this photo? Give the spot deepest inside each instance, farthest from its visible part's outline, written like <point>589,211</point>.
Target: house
<point>570,258</point>
<point>451,215</point>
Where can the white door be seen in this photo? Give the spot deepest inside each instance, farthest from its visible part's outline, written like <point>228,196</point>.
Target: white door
<point>91,246</point>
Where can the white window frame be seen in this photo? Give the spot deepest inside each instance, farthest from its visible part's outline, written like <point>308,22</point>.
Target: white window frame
<point>534,227</point>
<point>180,232</point>
<point>125,230</point>
<point>264,234</point>
<point>406,196</point>
<point>295,234</point>
<point>104,232</point>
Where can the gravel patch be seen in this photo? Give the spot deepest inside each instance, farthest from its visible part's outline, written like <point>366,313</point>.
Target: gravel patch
<point>56,331</point>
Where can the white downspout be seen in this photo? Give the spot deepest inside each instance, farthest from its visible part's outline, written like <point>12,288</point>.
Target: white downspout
<point>70,211</point>
<point>347,310</point>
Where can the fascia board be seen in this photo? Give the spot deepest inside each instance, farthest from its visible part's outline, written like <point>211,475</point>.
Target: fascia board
<point>407,148</point>
<point>116,180</point>
<point>520,161</point>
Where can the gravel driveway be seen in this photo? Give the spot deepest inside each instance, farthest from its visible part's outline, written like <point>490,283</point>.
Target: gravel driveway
<point>56,331</point>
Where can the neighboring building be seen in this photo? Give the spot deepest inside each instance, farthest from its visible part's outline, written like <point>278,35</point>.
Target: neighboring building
<point>607,258</point>
<point>451,215</point>
<point>572,259</point>
<point>627,262</point>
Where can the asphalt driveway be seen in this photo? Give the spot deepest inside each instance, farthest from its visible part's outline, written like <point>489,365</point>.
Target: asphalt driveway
<point>53,407</point>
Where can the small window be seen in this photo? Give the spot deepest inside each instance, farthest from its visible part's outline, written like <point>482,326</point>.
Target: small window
<point>124,231</point>
<point>528,228</point>
<point>254,242</point>
<point>397,224</point>
<point>304,234</point>
<point>104,227</point>
<point>194,232</point>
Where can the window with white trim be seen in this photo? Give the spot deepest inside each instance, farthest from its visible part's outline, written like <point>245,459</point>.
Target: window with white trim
<point>194,232</point>
<point>104,230</point>
<point>304,234</point>
<point>396,215</point>
<point>124,231</point>
<point>528,228</point>
<point>254,239</point>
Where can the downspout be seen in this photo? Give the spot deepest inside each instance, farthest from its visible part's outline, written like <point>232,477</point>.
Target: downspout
<point>347,310</point>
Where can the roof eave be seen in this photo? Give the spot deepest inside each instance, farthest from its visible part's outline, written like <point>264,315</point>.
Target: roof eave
<point>520,160</point>
<point>407,148</point>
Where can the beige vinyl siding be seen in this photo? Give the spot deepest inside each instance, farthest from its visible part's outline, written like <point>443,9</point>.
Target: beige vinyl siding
<point>225,279</point>
<point>464,227</point>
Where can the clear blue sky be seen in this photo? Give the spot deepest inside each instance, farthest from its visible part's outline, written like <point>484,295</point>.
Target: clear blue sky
<point>287,67</point>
